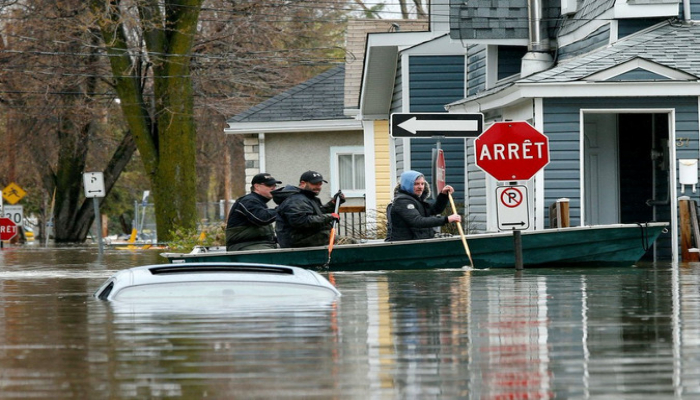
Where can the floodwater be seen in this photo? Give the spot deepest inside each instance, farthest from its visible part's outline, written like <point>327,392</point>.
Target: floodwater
<point>601,333</point>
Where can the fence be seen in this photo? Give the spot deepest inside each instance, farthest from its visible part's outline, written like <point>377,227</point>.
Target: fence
<point>353,219</point>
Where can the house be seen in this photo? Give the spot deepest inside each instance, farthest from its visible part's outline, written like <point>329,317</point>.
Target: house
<point>612,83</point>
<point>303,128</point>
<point>313,125</point>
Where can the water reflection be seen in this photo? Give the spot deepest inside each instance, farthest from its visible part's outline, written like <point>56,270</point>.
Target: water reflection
<point>576,334</point>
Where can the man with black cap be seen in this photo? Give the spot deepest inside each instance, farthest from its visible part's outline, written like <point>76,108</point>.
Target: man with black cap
<point>249,225</point>
<point>302,221</point>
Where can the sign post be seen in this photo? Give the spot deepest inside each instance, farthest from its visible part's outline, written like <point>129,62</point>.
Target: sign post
<point>512,151</point>
<point>95,187</point>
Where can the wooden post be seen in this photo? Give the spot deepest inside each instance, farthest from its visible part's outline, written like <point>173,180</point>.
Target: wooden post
<point>563,205</point>
<point>684,205</point>
<point>559,214</point>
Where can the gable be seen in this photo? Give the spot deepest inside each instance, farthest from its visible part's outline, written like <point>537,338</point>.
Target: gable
<point>639,69</point>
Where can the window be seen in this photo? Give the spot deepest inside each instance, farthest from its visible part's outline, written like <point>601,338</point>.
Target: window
<point>348,170</point>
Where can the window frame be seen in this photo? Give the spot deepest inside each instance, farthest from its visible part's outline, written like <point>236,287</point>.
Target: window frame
<point>335,169</point>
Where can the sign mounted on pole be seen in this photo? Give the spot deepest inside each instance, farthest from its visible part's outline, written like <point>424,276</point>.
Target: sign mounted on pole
<point>511,151</point>
<point>426,125</point>
<point>94,184</point>
<point>15,213</point>
<point>13,193</point>
<point>439,170</point>
<point>512,210</point>
<point>8,229</point>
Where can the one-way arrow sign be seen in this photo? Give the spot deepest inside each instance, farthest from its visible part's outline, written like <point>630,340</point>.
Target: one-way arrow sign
<point>436,124</point>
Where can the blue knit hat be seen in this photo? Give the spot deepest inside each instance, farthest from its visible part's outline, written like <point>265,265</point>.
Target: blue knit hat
<point>407,180</point>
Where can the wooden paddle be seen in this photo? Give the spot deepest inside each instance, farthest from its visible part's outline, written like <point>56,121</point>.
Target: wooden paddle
<point>335,223</point>
<point>461,232</point>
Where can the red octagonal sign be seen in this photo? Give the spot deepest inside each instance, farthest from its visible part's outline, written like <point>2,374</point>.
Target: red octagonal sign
<point>8,229</point>
<point>511,151</point>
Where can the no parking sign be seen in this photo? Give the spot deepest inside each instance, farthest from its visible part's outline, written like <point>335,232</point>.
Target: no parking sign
<point>512,211</point>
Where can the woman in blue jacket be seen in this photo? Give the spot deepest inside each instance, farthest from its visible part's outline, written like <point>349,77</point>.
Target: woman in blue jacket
<point>411,217</point>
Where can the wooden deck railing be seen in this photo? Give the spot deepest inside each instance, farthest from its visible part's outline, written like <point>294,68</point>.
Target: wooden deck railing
<point>353,221</point>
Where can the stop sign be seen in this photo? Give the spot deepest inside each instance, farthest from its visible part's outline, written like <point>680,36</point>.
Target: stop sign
<point>511,151</point>
<point>8,229</point>
<point>440,170</point>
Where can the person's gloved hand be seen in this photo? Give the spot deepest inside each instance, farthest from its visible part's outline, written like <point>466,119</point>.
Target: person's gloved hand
<point>335,216</point>
<point>342,199</point>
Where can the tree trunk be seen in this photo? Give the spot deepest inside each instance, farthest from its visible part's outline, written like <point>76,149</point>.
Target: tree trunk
<point>165,136</point>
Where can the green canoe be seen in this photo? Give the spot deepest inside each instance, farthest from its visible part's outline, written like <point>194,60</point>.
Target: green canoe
<point>604,245</point>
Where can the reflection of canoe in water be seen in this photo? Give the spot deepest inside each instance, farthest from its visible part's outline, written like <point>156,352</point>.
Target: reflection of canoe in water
<point>604,245</point>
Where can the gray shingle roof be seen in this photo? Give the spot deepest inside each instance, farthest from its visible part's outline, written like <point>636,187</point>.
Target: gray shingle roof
<point>587,11</point>
<point>319,98</point>
<point>673,45</point>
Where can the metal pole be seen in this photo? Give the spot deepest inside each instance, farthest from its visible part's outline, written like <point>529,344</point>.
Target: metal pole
<point>98,218</point>
<point>518,247</point>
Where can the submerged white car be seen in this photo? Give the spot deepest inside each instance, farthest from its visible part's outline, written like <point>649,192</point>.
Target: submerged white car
<point>217,283</point>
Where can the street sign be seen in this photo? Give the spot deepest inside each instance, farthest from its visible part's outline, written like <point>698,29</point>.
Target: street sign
<point>511,151</point>
<point>8,229</point>
<point>440,170</point>
<point>512,210</point>
<point>94,184</point>
<point>15,213</point>
<point>13,193</point>
<point>428,125</point>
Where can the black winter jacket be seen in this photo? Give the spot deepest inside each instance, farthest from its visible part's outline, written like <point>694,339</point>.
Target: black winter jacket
<point>302,221</point>
<point>250,222</point>
<point>412,217</point>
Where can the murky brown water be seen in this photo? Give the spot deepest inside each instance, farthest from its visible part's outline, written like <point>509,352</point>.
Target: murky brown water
<point>630,333</point>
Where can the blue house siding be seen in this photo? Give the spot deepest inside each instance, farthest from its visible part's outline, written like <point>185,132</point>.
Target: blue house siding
<point>694,9</point>
<point>597,39</point>
<point>562,126</point>
<point>396,106</point>
<point>476,73</point>
<point>476,204</point>
<point>433,82</point>
<point>397,94</point>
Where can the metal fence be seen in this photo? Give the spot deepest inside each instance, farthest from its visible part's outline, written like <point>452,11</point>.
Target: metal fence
<point>353,219</point>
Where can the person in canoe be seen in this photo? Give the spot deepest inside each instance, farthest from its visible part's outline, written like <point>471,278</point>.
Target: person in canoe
<point>302,220</point>
<point>249,225</point>
<point>411,216</point>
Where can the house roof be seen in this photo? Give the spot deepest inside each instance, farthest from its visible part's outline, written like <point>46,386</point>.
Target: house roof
<point>670,50</point>
<point>309,106</point>
<point>588,11</point>
<point>672,45</point>
<point>321,97</point>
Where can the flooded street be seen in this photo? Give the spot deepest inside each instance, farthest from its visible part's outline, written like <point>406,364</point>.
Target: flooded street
<point>603,333</point>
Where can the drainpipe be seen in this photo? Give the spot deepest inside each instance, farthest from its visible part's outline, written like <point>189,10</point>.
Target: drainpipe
<point>537,58</point>
<point>686,11</point>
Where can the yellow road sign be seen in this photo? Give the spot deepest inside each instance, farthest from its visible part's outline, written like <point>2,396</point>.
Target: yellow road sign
<point>13,193</point>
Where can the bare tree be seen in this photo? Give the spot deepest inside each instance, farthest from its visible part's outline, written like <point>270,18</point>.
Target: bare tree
<point>84,84</point>
<point>52,93</point>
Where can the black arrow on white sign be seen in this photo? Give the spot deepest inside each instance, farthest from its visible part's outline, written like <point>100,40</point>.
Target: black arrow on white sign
<point>436,125</point>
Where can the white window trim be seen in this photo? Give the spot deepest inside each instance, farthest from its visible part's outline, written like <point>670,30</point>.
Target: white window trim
<point>335,170</point>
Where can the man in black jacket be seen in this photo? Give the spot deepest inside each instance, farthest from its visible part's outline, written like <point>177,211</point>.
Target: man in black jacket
<point>249,225</point>
<point>411,217</point>
<point>302,220</point>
